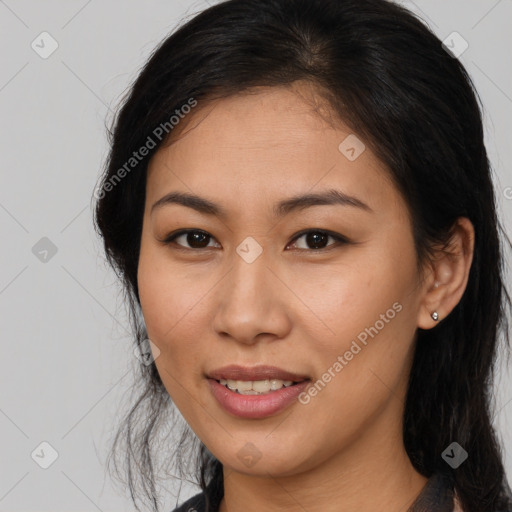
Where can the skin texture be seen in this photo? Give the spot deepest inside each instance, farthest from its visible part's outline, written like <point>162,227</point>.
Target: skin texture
<point>295,306</point>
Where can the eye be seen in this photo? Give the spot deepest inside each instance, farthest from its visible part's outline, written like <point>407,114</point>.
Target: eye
<point>318,239</point>
<point>314,239</point>
<point>196,239</point>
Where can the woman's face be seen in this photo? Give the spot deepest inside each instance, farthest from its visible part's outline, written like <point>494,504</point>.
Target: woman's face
<point>247,287</point>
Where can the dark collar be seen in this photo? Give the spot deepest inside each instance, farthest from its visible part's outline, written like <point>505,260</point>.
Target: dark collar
<point>437,495</point>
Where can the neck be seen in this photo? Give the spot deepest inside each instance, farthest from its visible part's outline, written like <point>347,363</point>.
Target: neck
<point>374,473</point>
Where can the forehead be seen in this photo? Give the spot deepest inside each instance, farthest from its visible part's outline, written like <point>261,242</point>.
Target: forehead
<point>265,145</point>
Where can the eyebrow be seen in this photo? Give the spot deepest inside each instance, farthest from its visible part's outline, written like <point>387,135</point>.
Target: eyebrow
<point>295,203</point>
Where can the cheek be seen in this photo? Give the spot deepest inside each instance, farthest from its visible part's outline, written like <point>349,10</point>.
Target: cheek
<point>345,299</point>
<point>362,347</point>
<point>165,295</point>
<point>174,306</point>
<point>166,304</point>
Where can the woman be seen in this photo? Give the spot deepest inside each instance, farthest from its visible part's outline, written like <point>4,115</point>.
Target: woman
<point>299,203</point>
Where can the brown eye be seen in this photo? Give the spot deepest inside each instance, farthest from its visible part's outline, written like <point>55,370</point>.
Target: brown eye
<point>194,238</point>
<point>315,240</point>
<point>318,240</point>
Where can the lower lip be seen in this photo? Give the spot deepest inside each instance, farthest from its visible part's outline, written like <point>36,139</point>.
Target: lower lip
<point>256,406</point>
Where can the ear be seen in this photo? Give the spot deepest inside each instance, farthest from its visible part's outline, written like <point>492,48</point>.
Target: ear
<point>446,283</point>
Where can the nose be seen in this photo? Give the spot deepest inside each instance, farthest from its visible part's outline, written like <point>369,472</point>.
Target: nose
<point>251,303</point>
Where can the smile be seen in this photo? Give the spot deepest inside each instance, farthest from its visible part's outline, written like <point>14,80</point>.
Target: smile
<point>255,387</point>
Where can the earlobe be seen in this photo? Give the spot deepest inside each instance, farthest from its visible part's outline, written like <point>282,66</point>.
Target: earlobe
<point>449,277</point>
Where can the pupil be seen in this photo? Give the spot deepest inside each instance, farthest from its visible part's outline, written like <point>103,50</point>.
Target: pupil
<point>197,237</point>
<point>315,238</point>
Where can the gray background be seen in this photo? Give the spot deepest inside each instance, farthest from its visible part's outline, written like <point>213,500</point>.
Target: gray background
<point>67,354</point>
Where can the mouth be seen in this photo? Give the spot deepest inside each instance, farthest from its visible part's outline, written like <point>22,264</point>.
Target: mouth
<point>256,387</point>
<point>273,390</point>
<point>257,380</point>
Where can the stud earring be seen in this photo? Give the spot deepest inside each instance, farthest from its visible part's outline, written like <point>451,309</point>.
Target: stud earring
<point>435,316</point>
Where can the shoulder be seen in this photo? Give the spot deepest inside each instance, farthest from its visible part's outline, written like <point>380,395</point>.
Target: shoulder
<point>194,504</point>
<point>208,500</point>
<point>508,507</point>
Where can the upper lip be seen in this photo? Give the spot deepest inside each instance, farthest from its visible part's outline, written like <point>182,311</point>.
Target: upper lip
<point>262,372</point>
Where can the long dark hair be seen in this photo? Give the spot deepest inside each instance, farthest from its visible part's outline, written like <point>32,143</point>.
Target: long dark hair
<point>388,77</point>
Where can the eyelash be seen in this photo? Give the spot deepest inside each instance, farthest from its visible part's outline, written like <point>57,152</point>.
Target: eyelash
<point>339,239</point>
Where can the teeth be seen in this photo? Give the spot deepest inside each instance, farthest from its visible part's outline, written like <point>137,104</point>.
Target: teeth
<point>255,387</point>
<point>262,386</point>
<point>242,385</point>
<point>275,384</point>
